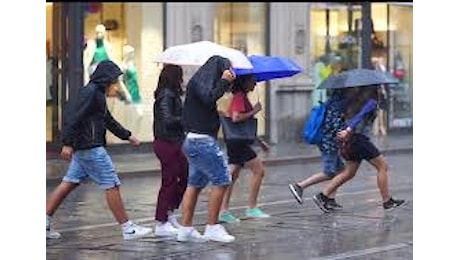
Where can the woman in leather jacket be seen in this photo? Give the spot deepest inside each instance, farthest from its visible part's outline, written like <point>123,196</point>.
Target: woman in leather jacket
<point>169,134</point>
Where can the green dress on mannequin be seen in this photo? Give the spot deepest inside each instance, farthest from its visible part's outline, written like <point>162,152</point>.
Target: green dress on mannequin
<point>100,54</point>
<point>130,77</point>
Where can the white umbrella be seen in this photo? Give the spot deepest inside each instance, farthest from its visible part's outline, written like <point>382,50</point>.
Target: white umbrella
<point>197,53</point>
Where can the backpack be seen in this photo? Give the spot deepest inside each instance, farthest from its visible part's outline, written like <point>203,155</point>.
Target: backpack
<point>312,128</point>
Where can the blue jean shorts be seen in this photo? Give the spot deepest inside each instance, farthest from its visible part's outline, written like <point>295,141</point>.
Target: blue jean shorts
<point>206,162</point>
<point>332,164</point>
<point>94,163</point>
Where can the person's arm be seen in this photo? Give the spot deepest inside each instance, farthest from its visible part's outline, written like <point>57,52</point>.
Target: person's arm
<point>219,90</point>
<point>370,105</point>
<point>115,127</point>
<point>242,116</point>
<point>77,113</point>
<point>221,86</point>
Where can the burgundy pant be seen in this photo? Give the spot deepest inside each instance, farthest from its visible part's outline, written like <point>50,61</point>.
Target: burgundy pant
<point>174,173</point>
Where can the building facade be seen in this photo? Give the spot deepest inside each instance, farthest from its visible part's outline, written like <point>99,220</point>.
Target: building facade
<point>323,38</point>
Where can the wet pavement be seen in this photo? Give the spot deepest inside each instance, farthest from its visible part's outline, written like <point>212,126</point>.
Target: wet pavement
<point>363,230</point>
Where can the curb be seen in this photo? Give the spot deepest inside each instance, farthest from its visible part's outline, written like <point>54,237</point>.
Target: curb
<point>266,161</point>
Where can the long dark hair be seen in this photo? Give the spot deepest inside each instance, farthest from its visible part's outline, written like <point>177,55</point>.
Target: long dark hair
<point>171,77</point>
<point>240,84</point>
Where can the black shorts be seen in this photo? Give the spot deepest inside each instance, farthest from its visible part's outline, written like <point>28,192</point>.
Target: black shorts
<point>239,153</point>
<point>359,148</point>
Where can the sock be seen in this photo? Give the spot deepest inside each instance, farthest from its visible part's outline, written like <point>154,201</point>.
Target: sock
<point>126,225</point>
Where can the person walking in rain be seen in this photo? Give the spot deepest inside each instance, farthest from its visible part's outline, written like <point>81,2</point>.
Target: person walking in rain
<point>355,147</point>
<point>206,159</point>
<point>329,145</point>
<point>169,135</point>
<point>84,142</point>
<point>241,154</point>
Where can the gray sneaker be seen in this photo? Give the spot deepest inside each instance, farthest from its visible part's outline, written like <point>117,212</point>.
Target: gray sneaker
<point>322,202</point>
<point>334,205</point>
<point>393,203</point>
<point>297,191</point>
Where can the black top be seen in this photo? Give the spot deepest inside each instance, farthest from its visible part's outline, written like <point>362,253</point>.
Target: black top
<point>88,117</point>
<point>203,90</point>
<point>167,112</point>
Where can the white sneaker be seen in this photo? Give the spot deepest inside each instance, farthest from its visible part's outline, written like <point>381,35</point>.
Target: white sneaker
<point>190,234</point>
<point>165,229</point>
<point>50,233</point>
<point>173,220</point>
<point>217,233</point>
<point>135,231</point>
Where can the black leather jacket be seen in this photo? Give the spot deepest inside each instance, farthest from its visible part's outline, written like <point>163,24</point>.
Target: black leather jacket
<point>88,117</point>
<point>167,111</point>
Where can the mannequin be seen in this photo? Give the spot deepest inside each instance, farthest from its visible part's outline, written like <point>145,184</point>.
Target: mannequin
<point>135,109</point>
<point>97,50</point>
<point>321,70</point>
<point>130,73</point>
<point>49,64</point>
<point>380,123</point>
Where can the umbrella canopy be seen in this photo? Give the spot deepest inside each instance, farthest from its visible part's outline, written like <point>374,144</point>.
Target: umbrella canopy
<point>270,67</point>
<point>357,78</point>
<point>197,53</point>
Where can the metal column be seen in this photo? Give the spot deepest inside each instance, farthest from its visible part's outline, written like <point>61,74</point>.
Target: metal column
<point>366,43</point>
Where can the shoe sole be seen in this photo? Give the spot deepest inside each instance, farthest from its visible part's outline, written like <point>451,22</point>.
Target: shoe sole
<point>159,234</point>
<point>221,241</point>
<point>230,222</point>
<point>320,205</point>
<point>258,217</point>
<point>140,235</point>
<point>192,240</point>
<point>392,208</point>
<point>299,199</point>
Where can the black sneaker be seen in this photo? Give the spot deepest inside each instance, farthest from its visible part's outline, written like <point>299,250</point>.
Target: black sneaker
<point>334,205</point>
<point>322,201</point>
<point>392,203</point>
<point>297,191</point>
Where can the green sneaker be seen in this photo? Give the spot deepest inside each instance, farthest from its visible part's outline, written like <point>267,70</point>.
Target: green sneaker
<point>256,213</point>
<point>228,217</point>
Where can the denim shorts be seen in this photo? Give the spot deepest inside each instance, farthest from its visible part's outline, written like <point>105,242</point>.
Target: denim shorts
<point>94,163</point>
<point>332,164</point>
<point>206,162</point>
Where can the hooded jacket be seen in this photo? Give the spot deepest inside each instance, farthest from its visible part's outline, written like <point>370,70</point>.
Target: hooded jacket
<point>88,117</point>
<point>203,90</point>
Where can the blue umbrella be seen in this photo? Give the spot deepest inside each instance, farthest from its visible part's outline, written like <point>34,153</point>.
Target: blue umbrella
<point>270,67</point>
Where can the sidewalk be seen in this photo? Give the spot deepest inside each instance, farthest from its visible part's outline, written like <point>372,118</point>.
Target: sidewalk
<point>147,163</point>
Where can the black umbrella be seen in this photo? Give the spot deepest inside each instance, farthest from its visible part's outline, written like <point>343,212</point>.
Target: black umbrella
<point>357,78</point>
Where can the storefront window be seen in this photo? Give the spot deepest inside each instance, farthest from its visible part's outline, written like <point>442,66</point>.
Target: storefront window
<point>400,65</point>
<point>131,35</point>
<point>242,26</point>
<point>334,42</point>
<point>49,76</point>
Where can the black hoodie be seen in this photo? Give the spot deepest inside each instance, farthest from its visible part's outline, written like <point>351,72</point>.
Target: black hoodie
<point>203,90</point>
<point>88,117</point>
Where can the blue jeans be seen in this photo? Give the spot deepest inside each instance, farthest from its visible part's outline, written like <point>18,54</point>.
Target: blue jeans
<point>94,163</point>
<point>206,162</point>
